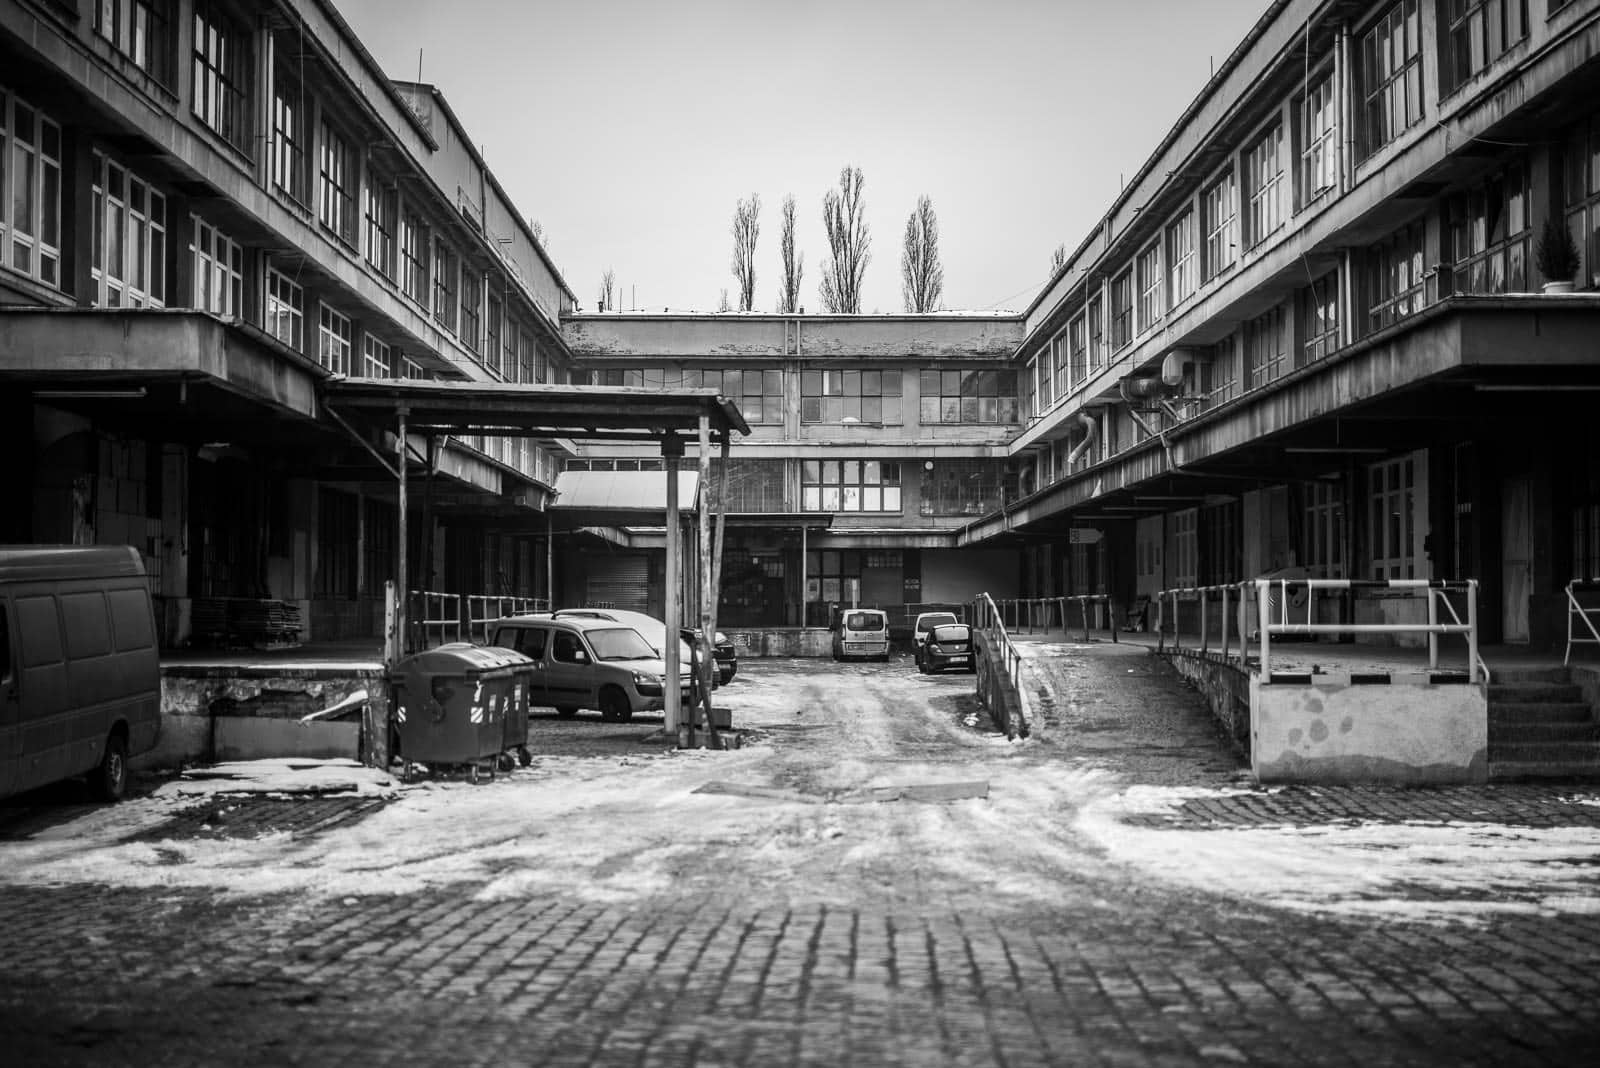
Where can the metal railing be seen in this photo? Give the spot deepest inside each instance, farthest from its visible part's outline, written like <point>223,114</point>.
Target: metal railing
<point>1030,614</point>
<point>485,609</point>
<point>435,618</point>
<point>1577,610</point>
<point>1272,596</point>
<point>987,618</point>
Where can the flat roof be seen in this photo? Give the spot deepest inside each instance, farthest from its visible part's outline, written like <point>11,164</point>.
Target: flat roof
<point>616,413</point>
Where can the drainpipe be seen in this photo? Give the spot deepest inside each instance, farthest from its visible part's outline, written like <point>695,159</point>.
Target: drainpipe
<point>1091,428</point>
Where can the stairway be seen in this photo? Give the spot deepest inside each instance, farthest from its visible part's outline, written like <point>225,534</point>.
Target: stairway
<point>1540,727</point>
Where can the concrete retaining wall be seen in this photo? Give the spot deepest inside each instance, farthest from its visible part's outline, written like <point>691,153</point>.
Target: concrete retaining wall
<point>1226,689</point>
<point>230,712</point>
<point>1334,731</point>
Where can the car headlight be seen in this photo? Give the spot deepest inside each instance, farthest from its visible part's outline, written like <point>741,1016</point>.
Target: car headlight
<point>645,678</point>
<point>720,638</point>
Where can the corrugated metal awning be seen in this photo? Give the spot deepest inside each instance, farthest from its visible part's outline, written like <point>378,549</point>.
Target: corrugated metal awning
<point>621,498</point>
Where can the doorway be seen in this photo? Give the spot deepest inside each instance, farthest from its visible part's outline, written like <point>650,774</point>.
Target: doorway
<point>1516,557</point>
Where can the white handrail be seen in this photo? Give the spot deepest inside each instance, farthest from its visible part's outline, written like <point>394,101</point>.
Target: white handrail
<point>1574,608</point>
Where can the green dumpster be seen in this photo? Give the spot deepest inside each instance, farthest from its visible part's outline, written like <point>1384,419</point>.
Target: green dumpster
<point>450,704</point>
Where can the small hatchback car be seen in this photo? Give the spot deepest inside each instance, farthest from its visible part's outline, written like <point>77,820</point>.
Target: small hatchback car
<point>861,632</point>
<point>925,622</point>
<point>948,645</point>
<point>589,663</point>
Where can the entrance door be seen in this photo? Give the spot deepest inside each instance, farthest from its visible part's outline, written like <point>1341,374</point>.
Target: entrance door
<point>1516,557</point>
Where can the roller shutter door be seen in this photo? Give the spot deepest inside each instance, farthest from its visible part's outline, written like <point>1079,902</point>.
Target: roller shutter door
<point>619,582</point>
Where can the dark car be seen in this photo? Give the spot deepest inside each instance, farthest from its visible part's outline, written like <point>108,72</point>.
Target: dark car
<point>948,645</point>
<point>726,654</point>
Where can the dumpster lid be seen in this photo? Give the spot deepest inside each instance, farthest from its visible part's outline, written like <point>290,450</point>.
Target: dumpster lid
<point>462,658</point>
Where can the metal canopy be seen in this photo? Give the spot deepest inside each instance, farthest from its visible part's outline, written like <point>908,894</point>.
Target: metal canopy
<point>617,413</point>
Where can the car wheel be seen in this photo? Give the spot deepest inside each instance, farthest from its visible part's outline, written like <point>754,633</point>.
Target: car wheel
<point>109,781</point>
<point>566,711</point>
<point>614,705</point>
<point>922,668</point>
<point>725,677</point>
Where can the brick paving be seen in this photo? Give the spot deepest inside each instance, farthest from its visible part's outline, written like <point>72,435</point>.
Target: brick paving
<point>1116,970</point>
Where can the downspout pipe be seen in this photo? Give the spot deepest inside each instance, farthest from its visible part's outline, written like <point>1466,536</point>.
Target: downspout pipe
<point>1091,430</point>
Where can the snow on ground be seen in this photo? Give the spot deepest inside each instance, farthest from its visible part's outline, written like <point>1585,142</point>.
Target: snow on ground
<point>627,827</point>
<point>1412,869</point>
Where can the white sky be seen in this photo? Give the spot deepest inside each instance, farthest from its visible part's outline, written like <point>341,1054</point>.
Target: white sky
<point>631,128</point>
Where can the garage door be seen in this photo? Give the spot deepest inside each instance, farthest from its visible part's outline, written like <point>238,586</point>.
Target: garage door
<point>620,582</point>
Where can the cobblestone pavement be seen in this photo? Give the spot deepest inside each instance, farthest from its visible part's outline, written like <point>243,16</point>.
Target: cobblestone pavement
<point>830,934</point>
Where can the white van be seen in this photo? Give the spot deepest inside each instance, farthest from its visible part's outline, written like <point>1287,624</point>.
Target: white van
<point>861,632</point>
<point>80,673</point>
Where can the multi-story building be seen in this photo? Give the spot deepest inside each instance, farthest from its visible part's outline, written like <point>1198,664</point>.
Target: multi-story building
<point>1310,333</point>
<point>207,209</point>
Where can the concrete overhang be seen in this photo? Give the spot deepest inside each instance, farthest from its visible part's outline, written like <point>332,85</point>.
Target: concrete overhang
<point>1444,373</point>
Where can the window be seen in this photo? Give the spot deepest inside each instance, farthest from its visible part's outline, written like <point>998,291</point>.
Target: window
<point>130,240</point>
<point>222,76</point>
<point>1030,389</point>
<point>218,270</point>
<point>1219,378</point>
<point>336,184</point>
<point>1389,76</point>
<point>412,369</point>
<point>1263,187</point>
<point>30,191</point>
<point>1077,350</point>
<point>1183,274</point>
<point>850,485</point>
<point>378,233</point>
<point>446,284</point>
<point>414,257</point>
<point>1394,282</point>
<point>1097,341</point>
<point>1583,196</point>
<point>1490,234</point>
<point>960,487</point>
<point>1318,130</point>
<point>1218,221</point>
<point>333,340</point>
<point>376,358</point>
<point>753,485</point>
<point>1148,269</point>
<point>1478,32</point>
<point>1185,548</point>
<point>1264,347</point>
<point>289,134</point>
<point>1323,530</point>
<point>1040,368</point>
<point>1389,520</point>
<point>140,30</point>
<point>1121,310</point>
<point>759,394</point>
<point>471,308</point>
<point>1319,319</point>
<point>850,396</point>
<point>968,396</point>
<point>285,317</point>
<point>491,336</point>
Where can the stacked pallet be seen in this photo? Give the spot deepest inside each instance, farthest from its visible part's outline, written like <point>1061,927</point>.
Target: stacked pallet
<point>245,623</point>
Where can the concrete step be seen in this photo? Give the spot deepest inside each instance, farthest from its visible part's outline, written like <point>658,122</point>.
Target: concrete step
<point>1543,732</point>
<point>1521,675</point>
<point>1524,692</point>
<point>1519,712</point>
<point>1513,771</point>
<point>1544,753</point>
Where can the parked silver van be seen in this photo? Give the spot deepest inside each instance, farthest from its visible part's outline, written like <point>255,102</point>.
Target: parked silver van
<point>80,674</point>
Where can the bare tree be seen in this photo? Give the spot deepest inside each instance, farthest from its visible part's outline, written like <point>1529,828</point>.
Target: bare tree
<point>608,283</point>
<point>746,228</point>
<point>921,274</point>
<point>843,215</point>
<point>723,305</point>
<point>1058,258</point>
<point>793,263</point>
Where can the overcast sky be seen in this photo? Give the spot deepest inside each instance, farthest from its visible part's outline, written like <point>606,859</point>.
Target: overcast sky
<point>630,128</point>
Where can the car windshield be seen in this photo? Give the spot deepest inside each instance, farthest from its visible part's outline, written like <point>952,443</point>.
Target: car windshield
<point>620,643</point>
<point>864,621</point>
<point>951,632</point>
<point>929,622</point>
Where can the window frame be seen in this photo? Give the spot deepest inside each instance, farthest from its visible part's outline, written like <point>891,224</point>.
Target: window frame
<point>285,303</point>
<point>222,79</point>
<point>1219,225</point>
<point>218,282</point>
<point>139,280</point>
<point>850,388</point>
<point>288,153</point>
<point>1262,203</point>
<point>32,248</point>
<point>142,31</point>
<point>338,182</point>
<point>1317,140</point>
<point>1147,269</point>
<point>825,486</point>
<point>335,345</point>
<point>1383,116</point>
<point>1181,238</point>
